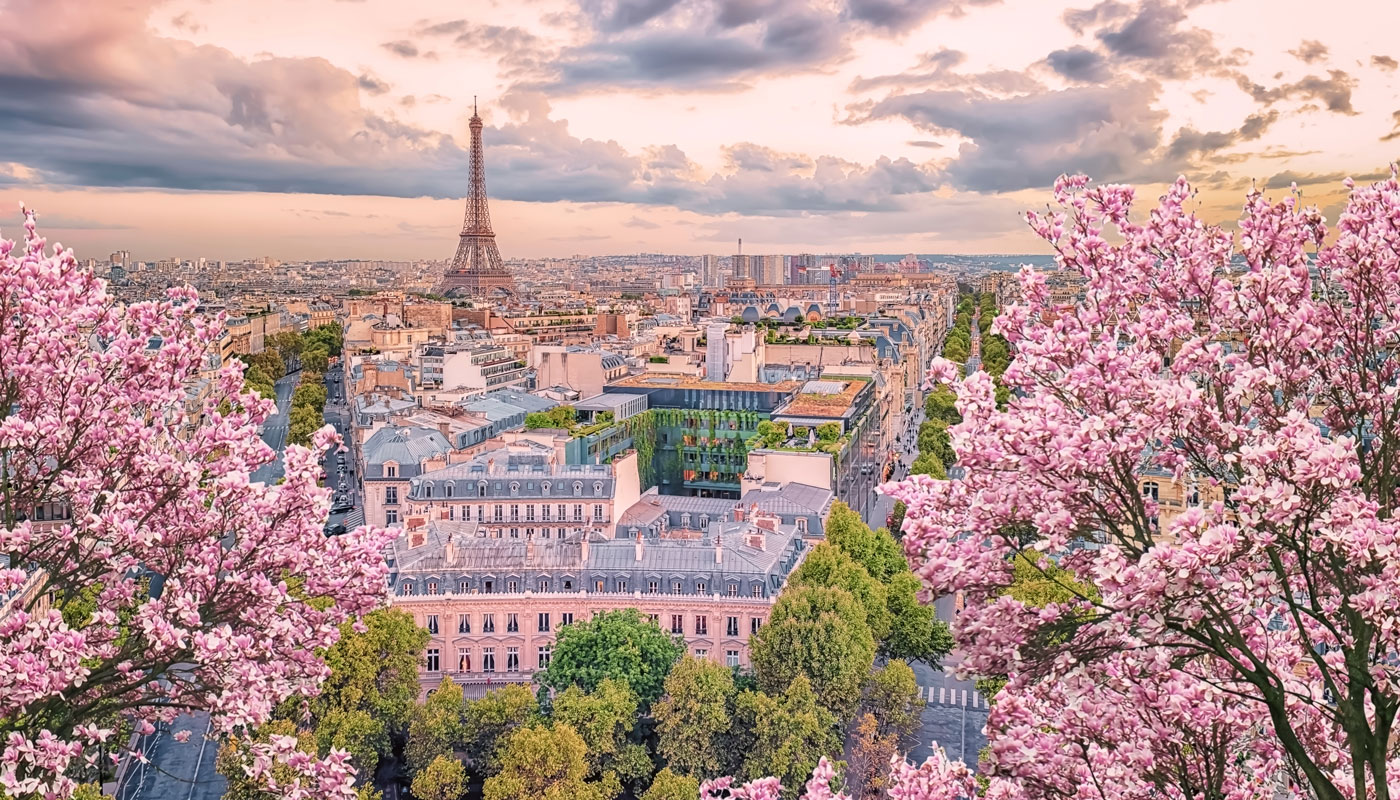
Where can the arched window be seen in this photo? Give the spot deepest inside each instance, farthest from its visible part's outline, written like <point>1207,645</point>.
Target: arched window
<point>428,489</point>
<point>448,489</point>
<point>544,487</point>
<point>578,489</point>
<point>481,489</point>
<point>514,489</point>
<point>598,489</point>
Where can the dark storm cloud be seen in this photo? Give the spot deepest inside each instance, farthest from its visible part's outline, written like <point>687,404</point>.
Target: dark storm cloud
<point>1110,132</point>
<point>723,45</point>
<point>1384,62</point>
<point>1334,91</point>
<point>1079,64</point>
<point>1310,51</point>
<point>1153,37</point>
<point>204,119</point>
<point>1190,143</point>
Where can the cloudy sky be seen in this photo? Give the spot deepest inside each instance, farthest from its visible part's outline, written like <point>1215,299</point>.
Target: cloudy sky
<point>327,128</point>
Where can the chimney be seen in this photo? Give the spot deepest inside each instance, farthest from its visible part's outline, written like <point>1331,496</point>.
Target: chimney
<point>639,547</point>
<point>766,521</point>
<point>529,548</point>
<point>738,513</point>
<point>449,552</point>
<point>719,550</point>
<point>584,542</point>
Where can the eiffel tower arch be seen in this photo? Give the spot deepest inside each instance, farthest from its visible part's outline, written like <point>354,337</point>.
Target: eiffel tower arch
<point>477,269</point>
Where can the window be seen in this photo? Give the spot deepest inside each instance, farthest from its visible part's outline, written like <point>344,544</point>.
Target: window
<point>512,586</point>
<point>677,625</point>
<point>406,588</point>
<point>731,658</point>
<point>598,513</point>
<point>754,625</point>
<point>563,512</point>
<point>464,660</point>
<point>699,587</point>
<point>598,585</point>
<point>566,618</point>
<point>733,590</point>
<point>434,663</point>
<point>544,487</point>
<point>512,659</point>
<point>704,520</point>
<point>432,587</point>
<point>731,626</point>
<point>578,489</point>
<point>514,512</point>
<point>512,623</point>
<point>1193,498</point>
<point>702,625</point>
<point>464,623</point>
<point>391,517</point>
<point>621,585</point>
<point>598,489</point>
<point>1150,489</point>
<point>578,512</point>
<point>391,495</point>
<point>391,471</point>
<point>701,652</point>
<point>481,489</point>
<point>515,533</point>
<point>651,587</point>
<point>514,489</point>
<point>530,513</point>
<point>544,582</point>
<point>448,489</point>
<point>488,623</point>
<point>432,623</point>
<point>801,524</point>
<point>758,590</point>
<point>545,650</point>
<point>490,586</point>
<point>655,618</point>
<point>675,587</point>
<point>499,513</point>
<point>568,584</point>
<point>544,512</point>
<point>488,659</point>
<point>685,520</point>
<point>544,622</point>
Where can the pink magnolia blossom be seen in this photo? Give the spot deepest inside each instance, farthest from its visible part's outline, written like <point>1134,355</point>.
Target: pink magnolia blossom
<point>146,575</point>
<point>1242,641</point>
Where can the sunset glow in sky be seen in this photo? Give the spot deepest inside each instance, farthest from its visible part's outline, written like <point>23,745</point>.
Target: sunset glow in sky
<point>334,129</point>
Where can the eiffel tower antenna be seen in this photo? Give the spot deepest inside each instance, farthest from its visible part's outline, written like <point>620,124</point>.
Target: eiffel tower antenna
<point>477,268</point>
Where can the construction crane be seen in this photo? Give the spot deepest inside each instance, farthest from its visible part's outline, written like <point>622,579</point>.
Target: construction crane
<point>831,300</point>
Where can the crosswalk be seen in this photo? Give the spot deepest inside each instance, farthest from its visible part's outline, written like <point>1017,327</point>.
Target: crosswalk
<point>942,695</point>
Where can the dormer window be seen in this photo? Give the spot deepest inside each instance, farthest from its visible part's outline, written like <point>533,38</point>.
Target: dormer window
<point>598,489</point>
<point>447,490</point>
<point>391,470</point>
<point>514,489</point>
<point>704,521</point>
<point>544,487</point>
<point>481,489</point>
<point>685,520</point>
<point>428,489</point>
<point>578,489</point>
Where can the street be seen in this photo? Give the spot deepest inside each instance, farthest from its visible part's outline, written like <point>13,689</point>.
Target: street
<point>337,413</point>
<point>274,432</point>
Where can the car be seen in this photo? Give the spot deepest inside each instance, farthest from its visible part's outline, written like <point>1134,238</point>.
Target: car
<point>342,487</point>
<point>342,504</point>
<point>338,529</point>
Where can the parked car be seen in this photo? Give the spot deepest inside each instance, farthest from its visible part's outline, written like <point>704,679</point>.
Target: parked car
<point>342,503</point>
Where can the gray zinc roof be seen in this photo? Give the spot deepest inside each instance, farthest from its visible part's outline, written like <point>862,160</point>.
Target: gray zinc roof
<point>473,552</point>
<point>788,498</point>
<point>406,445</point>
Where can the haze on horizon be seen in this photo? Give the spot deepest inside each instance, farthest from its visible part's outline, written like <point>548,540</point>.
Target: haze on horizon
<point>338,129</point>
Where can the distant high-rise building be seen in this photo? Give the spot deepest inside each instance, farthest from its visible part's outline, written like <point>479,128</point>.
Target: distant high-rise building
<point>477,269</point>
<point>715,350</point>
<point>709,271</point>
<point>767,270</point>
<point>799,265</point>
<point>740,264</point>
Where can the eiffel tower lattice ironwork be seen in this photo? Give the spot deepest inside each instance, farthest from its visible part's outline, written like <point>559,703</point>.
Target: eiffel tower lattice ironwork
<point>477,269</point>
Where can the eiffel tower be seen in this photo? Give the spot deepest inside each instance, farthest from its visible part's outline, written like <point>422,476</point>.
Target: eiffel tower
<point>477,269</point>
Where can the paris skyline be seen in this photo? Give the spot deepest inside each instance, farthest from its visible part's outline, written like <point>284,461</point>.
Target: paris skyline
<point>338,129</point>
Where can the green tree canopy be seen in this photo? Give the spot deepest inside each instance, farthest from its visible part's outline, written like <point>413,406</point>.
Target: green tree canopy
<point>545,763</point>
<point>605,718</point>
<point>819,633</point>
<point>828,565</point>
<point>565,417</point>
<point>892,696</point>
<point>363,736</point>
<point>375,671</point>
<point>668,785</point>
<point>829,431</point>
<point>692,719</point>
<point>435,727</point>
<point>620,644</point>
<point>877,551</point>
<point>443,779</point>
<point>916,632</point>
<point>930,465</point>
<point>486,720</point>
<point>790,734</point>
<point>940,404</point>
